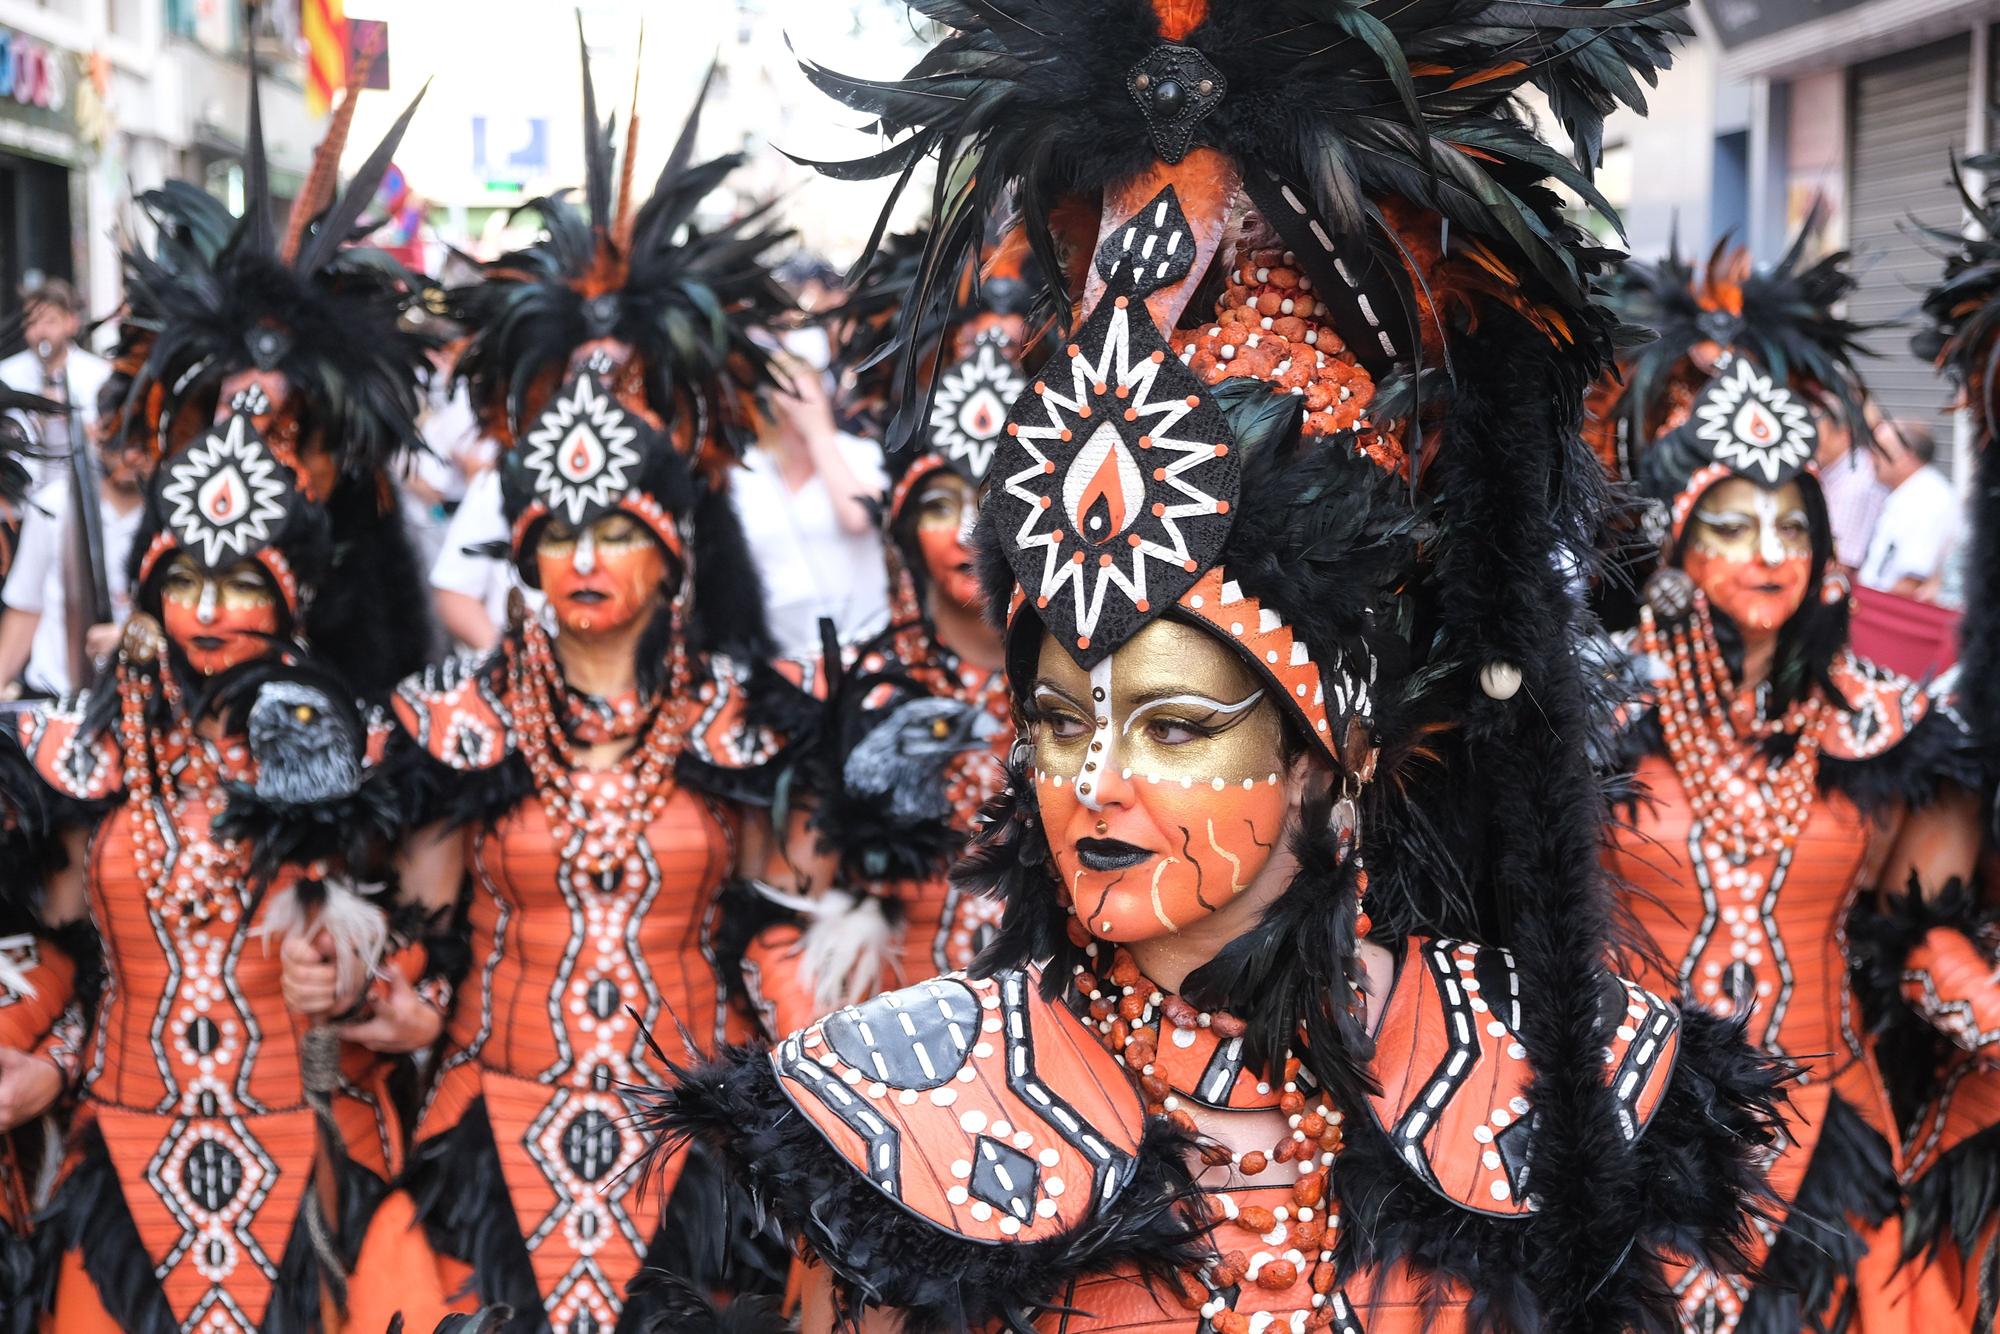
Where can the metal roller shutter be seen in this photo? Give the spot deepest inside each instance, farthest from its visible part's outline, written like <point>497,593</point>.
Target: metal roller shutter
<point>1907,118</point>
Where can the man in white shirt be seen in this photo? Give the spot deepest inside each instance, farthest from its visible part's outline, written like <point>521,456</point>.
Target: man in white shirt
<point>804,495</point>
<point>1919,522</point>
<point>53,366</point>
<point>34,624</point>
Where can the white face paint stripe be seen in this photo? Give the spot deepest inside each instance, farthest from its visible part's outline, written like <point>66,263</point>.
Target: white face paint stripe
<point>585,560</point>
<point>1769,545</point>
<point>1103,752</point>
<point>968,519</point>
<point>204,608</point>
<point>1197,701</point>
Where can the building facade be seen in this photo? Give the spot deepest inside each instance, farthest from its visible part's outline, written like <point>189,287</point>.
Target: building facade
<point>100,99</point>
<point>1857,107</point>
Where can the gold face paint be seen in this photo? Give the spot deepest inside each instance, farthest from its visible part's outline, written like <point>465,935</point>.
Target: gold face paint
<point>1160,776</point>
<point>1750,551</point>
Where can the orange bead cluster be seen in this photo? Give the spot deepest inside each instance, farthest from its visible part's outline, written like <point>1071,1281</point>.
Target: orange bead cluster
<point>202,881</point>
<point>1130,1016</point>
<point>1269,326</point>
<point>1748,804</point>
<point>647,774</point>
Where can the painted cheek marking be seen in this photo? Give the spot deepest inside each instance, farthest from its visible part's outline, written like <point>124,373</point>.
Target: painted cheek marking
<point>1236,885</point>
<point>1159,909</point>
<point>1103,738</point>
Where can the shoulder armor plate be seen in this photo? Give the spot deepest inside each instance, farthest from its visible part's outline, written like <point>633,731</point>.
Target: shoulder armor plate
<point>81,770</point>
<point>1887,708</point>
<point>454,712</point>
<point>978,1106</point>
<point>1455,1078</point>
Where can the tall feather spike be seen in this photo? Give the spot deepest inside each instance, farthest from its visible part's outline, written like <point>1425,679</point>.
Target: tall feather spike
<point>627,205</point>
<point>325,173</point>
<point>256,166</point>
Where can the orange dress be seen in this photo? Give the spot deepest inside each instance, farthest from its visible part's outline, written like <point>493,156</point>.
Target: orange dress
<point>526,1163</point>
<point>192,1147</point>
<point>1767,940</point>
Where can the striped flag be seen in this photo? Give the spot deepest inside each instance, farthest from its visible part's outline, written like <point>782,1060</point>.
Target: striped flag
<point>325,28</point>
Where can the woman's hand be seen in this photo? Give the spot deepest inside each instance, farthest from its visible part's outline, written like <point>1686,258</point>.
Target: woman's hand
<point>399,1021</point>
<point>310,979</point>
<point>29,1086</point>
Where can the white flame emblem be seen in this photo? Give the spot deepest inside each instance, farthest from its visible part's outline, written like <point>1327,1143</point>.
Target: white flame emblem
<point>226,494</point>
<point>580,454</point>
<point>970,409</point>
<point>1751,424</point>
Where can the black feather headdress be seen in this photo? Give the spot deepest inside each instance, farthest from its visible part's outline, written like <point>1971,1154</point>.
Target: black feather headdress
<point>1328,111</point>
<point>1783,319</point>
<point>281,360</point>
<point>634,314</point>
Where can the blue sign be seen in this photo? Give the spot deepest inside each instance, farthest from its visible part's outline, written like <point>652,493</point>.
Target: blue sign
<point>512,148</point>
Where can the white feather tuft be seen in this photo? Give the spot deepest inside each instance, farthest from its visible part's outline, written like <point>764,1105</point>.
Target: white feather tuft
<point>359,929</point>
<point>847,944</point>
<point>17,955</point>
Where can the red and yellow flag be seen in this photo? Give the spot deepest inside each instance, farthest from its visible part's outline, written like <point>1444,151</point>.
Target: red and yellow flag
<point>325,28</point>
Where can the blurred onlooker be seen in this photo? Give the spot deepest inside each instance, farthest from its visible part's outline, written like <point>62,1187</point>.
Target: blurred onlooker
<point>457,450</point>
<point>54,365</point>
<point>34,625</point>
<point>815,288</point>
<point>1854,495</point>
<point>805,494</point>
<point>469,587</point>
<point>1919,521</point>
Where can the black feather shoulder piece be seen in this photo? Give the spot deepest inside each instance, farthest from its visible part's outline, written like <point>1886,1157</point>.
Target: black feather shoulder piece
<point>1336,115</point>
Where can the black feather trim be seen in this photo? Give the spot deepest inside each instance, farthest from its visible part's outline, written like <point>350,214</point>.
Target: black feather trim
<point>1702,1161</point>
<point>1957,1202</point>
<point>708,1236</point>
<point>89,1215</point>
<point>1849,1186</point>
<point>885,1257</point>
<point>1882,930</point>
<point>19,1311</point>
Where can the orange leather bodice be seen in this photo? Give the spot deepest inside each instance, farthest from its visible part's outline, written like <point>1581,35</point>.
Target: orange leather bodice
<point>1768,937</point>
<point>191,1069</point>
<point>571,974</point>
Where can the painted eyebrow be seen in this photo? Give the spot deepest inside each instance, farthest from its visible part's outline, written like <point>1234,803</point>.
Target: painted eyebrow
<point>1157,700</point>
<point>1045,686</point>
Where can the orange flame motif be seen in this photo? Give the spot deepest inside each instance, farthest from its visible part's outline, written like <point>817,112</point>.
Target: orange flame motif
<point>1178,18</point>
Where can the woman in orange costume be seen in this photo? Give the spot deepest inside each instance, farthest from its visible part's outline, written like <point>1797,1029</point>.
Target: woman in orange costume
<point>1776,775</point>
<point>1299,1005</point>
<point>897,747</point>
<point>220,791</point>
<point>585,777</point>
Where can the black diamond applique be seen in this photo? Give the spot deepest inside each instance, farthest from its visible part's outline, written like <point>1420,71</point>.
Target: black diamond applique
<point>1004,1177</point>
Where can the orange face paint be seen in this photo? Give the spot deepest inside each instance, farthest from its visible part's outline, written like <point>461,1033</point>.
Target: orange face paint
<point>218,621</point>
<point>1750,551</point>
<point>1160,778</point>
<point>947,509</point>
<point>603,577</point>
